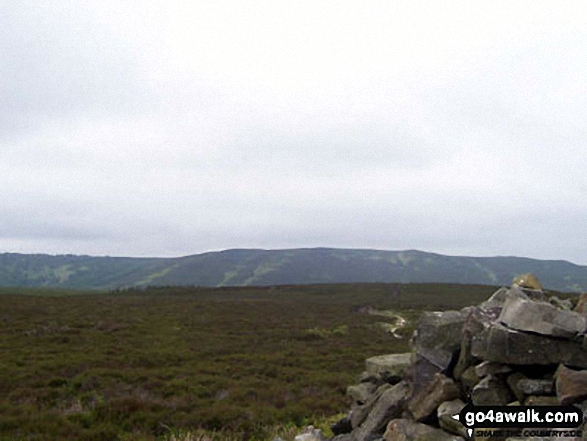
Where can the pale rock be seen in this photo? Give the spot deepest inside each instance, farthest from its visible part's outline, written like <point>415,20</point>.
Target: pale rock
<point>541,318</point>
<point>491,368</point>
<point>310,434</point>
<point>388,366</point>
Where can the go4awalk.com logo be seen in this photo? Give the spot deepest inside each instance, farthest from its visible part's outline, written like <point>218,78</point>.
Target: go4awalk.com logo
<point>526,421</point>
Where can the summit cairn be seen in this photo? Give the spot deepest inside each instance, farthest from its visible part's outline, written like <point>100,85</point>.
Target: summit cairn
<point>519,347</point>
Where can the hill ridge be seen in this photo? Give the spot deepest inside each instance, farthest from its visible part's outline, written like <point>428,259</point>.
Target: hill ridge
<point>254,266</point>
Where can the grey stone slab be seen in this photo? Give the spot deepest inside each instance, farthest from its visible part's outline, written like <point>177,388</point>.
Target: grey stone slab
<point>389,406</point>
<point>542,318</point>
<point>389,365</point>
<point>503,345</point>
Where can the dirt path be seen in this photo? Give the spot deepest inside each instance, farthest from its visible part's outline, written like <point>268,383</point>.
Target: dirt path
<point>395,321</point>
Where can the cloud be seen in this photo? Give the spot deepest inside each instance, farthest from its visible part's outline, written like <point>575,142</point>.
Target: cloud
<point>149,128</point>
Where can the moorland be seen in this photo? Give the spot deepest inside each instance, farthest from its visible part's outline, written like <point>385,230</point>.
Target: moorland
<point>162,363</point>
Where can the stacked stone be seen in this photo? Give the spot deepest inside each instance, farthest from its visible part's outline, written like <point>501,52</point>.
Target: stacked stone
<point>520,347</point>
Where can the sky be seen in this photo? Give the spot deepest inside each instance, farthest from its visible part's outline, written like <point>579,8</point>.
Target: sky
<point>157,128</point>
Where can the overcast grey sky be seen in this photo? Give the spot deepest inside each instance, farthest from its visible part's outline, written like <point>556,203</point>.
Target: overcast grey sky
<point>157,128</point>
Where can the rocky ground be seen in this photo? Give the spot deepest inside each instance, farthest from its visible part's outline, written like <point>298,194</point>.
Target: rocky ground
<point>520,347</point>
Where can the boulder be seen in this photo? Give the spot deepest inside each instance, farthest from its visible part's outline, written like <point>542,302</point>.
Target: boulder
<point>531,386</point>
<point>491,368</point>
<point>566,304</point>
<point>358,414</point>
<point>440,389</point>
<point>513,380</point>
<point>491,391</point>
<point>426,364</point>
<point>390,366</point>
<point>571,385</point>
<point>446,412</point>
<point>436,342</point>
<point>503,345</point>
<point>389,406</point>
<point>477,320</point>
<point>406,430</point>
<point>361,392</point>
<point>366,377</point>
<point>541,318</point>
<point>469,380</point>
<point>499,297</point>
<point>440,330</point>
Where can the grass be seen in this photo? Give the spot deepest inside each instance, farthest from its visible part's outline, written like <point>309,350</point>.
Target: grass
<point>195,363</point>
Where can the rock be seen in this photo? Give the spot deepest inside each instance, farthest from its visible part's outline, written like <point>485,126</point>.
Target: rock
<point>440,330</point>
<point>441,389</point>
<point>566,304</point>
<point>477,320</point>
<point>499,297</point>
<point>491,368</point>
<point>583,406</point>
<point>310,434</point>
<point>435,344</point>
<point>345,437</point>
<point>342,426</point>
<point>500,344</point>
<point>513,380</point>
<point>581,307</point>
<point>502,353</point>
<point>445,414</point>
<point>359,413</point>
<point>491,392</point>
<point>406,430</point>
<point>426,364</point>
<point>388,406</point>
<point>571,385</point>
<point>361,392</point>
<point>541,400</point>
<point>531,386</point>
<point>469,380</point>
<point>542,318</point>
<point>388,366</point>
<point>366,377</point>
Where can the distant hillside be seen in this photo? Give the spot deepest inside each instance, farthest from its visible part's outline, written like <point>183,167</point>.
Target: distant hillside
<point>281,267</point>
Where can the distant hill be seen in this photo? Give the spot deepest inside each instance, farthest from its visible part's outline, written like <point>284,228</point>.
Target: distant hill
<point>240,267</point>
